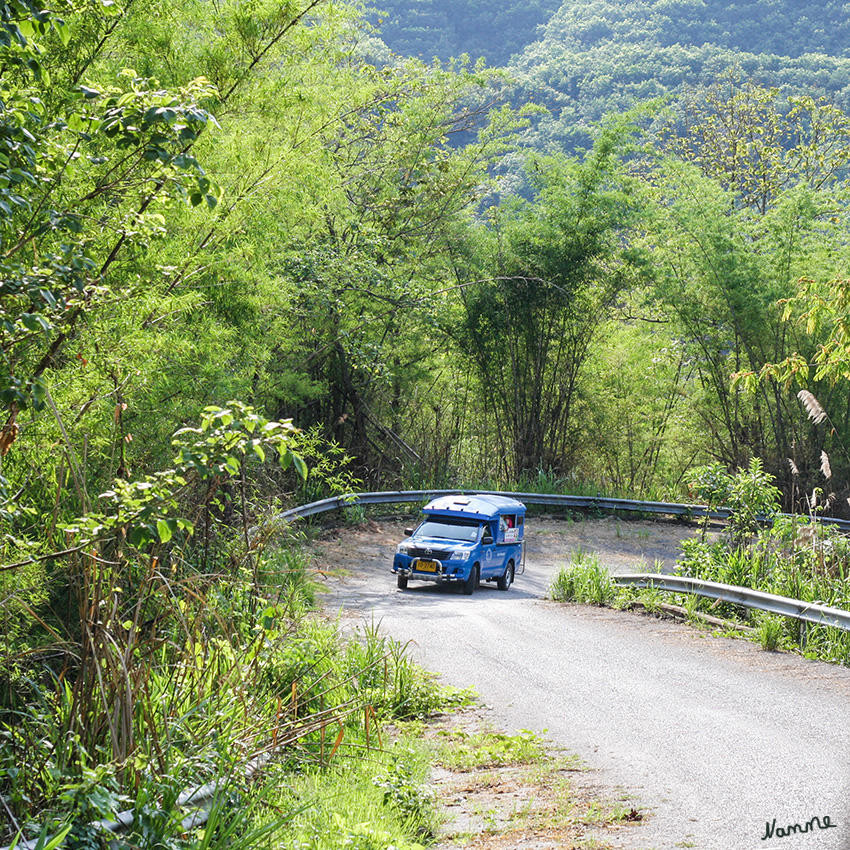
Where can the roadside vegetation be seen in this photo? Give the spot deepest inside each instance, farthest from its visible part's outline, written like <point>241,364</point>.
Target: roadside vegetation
<point>227,677</point>
<point>793,556</point>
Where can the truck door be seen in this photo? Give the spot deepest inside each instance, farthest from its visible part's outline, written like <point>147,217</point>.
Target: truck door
<point>492,555</point>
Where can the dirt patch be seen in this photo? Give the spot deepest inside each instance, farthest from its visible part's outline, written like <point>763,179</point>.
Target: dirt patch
<point>622,545</point>
<point>552,801</point>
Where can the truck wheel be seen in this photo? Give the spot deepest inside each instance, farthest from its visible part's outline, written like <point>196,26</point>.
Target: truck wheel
<point>504,582</point>
<point>402,582</point>
<point>472,581</point>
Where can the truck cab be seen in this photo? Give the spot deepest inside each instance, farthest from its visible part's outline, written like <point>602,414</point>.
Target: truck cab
<point>464,540</point>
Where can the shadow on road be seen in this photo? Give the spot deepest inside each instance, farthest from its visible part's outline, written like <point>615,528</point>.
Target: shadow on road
<point>490,591</point>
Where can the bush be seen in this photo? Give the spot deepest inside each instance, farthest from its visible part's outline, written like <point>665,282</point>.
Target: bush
<point>749,494</point>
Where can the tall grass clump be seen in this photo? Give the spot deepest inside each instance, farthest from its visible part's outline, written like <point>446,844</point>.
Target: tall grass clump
<point>770,629</point>
<point>797,557</point>
<point>584,579</point>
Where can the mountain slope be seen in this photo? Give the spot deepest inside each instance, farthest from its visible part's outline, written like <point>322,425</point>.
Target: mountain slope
<point>782,27</point>
<point>598,56</point>
<point>493,29</point>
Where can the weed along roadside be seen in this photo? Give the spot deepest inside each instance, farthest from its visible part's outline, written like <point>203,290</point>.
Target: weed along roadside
<point>799,564</point>
<point>741,591</point>
<point>497,789</point>
<point>447,777</point>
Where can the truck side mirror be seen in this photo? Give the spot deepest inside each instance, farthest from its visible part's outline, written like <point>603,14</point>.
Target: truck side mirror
<point>408,532</point>
<point>487,539</point>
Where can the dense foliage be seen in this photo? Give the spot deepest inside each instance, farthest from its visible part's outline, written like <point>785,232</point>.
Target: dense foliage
<point>240,240</point>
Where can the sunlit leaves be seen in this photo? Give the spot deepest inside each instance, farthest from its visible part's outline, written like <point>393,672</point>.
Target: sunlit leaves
<point>147,510</point>
<point>55,203</point>
<point>225,438</point>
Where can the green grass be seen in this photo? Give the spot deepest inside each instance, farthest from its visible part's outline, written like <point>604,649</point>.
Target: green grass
<point>371,801</point>
<point>770,629</point>
<point>584,579</point>
<point>460,750</point>
<point>791,559</point>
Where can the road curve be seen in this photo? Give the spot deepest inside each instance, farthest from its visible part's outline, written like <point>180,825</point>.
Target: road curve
<point>715,738</point>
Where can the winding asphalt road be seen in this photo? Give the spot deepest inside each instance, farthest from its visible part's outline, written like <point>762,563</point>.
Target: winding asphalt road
<point>715,738</point>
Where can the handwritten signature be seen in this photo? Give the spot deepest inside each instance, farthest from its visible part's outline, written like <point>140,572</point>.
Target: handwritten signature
<point>771,830</point>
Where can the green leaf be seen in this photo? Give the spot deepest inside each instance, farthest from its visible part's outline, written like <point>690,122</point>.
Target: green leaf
<point>300,466</point>
<point>63,30</point>
<point>140,535</point>
<point>163,527</point>
<point>39,394</point>
<point>34,322</point>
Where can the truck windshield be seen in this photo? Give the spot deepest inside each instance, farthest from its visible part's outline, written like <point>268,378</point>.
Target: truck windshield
<point>448,530</point>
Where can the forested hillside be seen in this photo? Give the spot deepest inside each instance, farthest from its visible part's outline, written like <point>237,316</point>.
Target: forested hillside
<point>446,29</point>
<point>594,56</point>
<point>597,56</point>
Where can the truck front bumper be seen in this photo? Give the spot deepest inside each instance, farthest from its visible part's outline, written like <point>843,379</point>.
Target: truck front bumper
<point>441,573</point>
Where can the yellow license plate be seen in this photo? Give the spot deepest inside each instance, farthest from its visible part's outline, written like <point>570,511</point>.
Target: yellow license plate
<point>426,566</point>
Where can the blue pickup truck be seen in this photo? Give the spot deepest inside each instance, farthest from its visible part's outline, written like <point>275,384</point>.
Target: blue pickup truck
<point>462,540</point>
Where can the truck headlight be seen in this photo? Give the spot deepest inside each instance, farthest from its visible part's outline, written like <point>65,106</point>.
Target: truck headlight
<point>461,555</point>
<point>402,548</point>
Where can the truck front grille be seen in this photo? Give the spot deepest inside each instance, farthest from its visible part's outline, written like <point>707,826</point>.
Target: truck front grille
<point>430,554</point>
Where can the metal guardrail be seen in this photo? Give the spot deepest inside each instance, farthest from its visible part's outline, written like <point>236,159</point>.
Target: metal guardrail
<point>198,801</point>
<point>389,497</point>
<point>809,612</point>
<point>601,503</point>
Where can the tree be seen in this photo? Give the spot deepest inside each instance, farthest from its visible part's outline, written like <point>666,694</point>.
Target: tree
<point>757,146</point>
<point>372,276</point>
<point>558,264</point>
<point>734,234</point>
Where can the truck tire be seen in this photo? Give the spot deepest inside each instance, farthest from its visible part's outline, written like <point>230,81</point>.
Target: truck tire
<point>471,581</point>
<point>402,582</point>
<point>504,582</point>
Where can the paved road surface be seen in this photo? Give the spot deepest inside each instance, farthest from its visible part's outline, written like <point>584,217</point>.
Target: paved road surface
<point>713,736</point>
